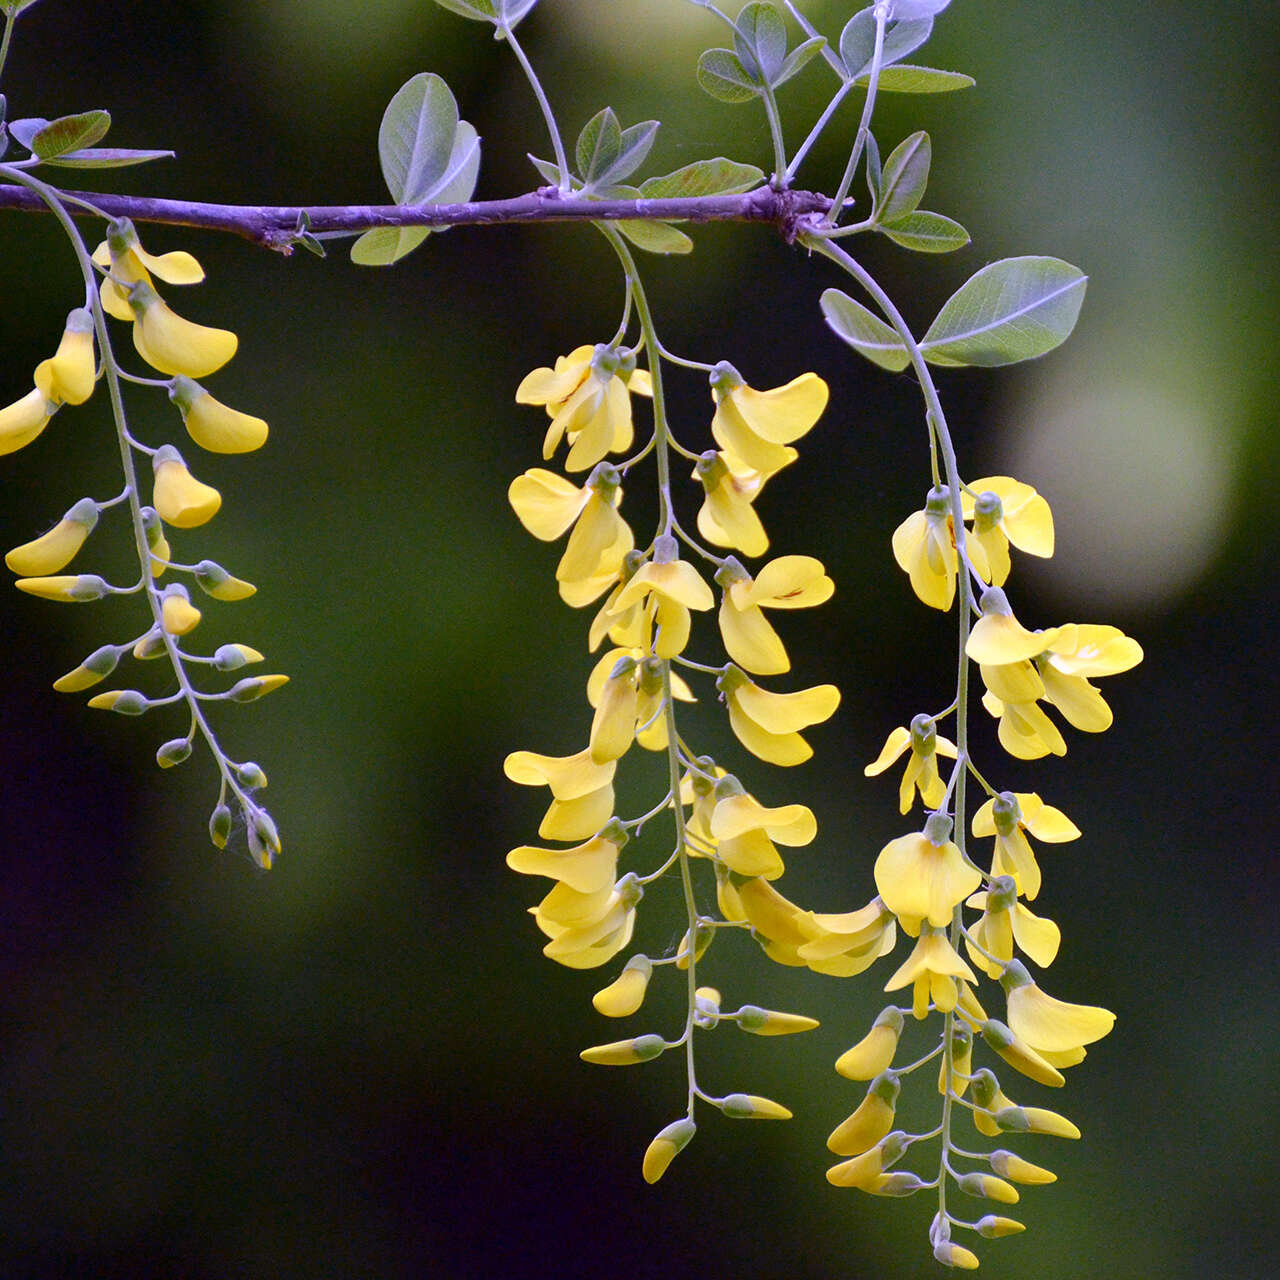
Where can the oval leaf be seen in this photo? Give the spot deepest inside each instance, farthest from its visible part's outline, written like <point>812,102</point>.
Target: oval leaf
<point>24,131</point>
<point>722,76</point>
<point>633,149</point>
<point>906,174</point>
<point>598,145</point>
<point>718,177</point>
<point>69,133</point>
<point>479,10</point>
<point>760,36</point>
<point>800,57</point>
<point>415,139</point>
<point>1012,310</point>
<point>655,237</point>
<point>907,79</point>
<point>865,332</point>
<point>926,232</point>
<point>106,158</point>
<point>858,41</point>
<point>384,245</point>
<point>459,178</point>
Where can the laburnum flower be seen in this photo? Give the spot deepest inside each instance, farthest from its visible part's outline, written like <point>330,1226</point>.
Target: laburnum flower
<point>548,504</point>
<point>875,1052</point>
<point>625,994</point>
<point>588,930</point>
<point>924,877</point>
<point>173,345</point>
<point>921,772</point>
<point>727,517</point>
<point>632,627</point>
<point>180,499</point>
<point>581,790</point>
<point>871,1121</point>
<point>588,399</point>
<point>789,582</point>
<point>867,1171</point>
<point>69,374</point>
<point>157,543</point>
<point>768,724</point>
<point>177,614</point>
<point>675,588</point>
<point>57,548</point>
<point>23,420</point>
<point>1004,510</point>
<point>1004,923</point>
<point>625,688</point>
<point>1078,651</point>
<point>745,830</point>
<point>128,262</point>
<point>931,970</point>
<point>211,424</point>
<point>924,545</point>
<point>757,426</point>
<point>1058,1031</point>
<point>1008,817</point>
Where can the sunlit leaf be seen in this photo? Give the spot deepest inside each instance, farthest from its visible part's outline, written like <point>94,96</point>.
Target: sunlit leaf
<point>1011,310</point>
<point>874,172</point>
<point>384,245</point>
<point>456,184</point>
<point>68,133</point>
<point>548,170</point>
<point>926,232</point>
<point>106,158</point>
<point>655,237</point>
<point>906,174</point>
<point>415,140</point>
<point>598,145</point>
<point>716,177</point>
<point>626,147</point>
<point>908,79</point>
<point>799,58</point>
<point>865,332</point>
<point>760,38</point>
<point>722,76</point>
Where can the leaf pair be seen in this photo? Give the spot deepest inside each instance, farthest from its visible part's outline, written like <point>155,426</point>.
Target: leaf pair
<point>428,156</point>
<point>899,188</point>
<point>912,26</point>
<point>1011,310</point>
<point>68,142</point>
<point>759,60</point>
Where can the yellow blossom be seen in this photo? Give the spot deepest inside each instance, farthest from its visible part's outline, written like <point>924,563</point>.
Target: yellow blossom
<point>924,546</point>
<point>757,426</point>
<point>875,1052</point>
<point>625,994</point>
<point>744,830</point>
<point>789,582</point>
<point>664,1148</point>
<point>845,943</point>
<point>1004,923</point>
<point>68,376</point>
<point>587,396</point>
<point>129,262</point>
<point>1078,651</point>
<point>1007,817</point>
<point>629,705</point>
<point>177,614</point>
<point>586,868</point>
<point>872,1120</point>
<point>180,499</point>
<point>1004,511</point>
<point>581,789</point>
<point>211,424</point>
<point>1048,1025</point>
<point>23,420</point>
<point>931,970</point>
<point>727,517</point>
<point>587,939</point>
<point>675,588</point>
<point>921,878</point>
<point>57,548</point>
<point>171,344</point>
<point>768,724</point>
<point>921,772</point>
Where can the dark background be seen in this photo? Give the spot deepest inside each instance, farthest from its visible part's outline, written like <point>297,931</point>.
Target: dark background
<point>359,1064</point>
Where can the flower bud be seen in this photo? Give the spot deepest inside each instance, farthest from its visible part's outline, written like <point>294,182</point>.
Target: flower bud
<point>228,657</point>
<point>67,589</point>
<point>178,615</point>
<point>181,499</point>
<point>214,580</point>
<point>875,1051</point>
<point>128,702</point>
<point>23,420</point>
<point>171,344</point>
<point>220,826</point>
<point>151,645</point>
<point>68,376</point>
<point>253,687</point>
<point>175,751</point>
<point>870,1122</point>
<point>624,995</point>
<point>664,1148</point>
<point>1016,1168</point>
<point>97,666</point>
<point>1035,1120</point>
<point>157,543</point>
<point>769,1022</point>
<point>955,1255</point>
<point>749,1106</point>
<point>251,775</point>
<point>624,1053</point>
<point>57,548</point>
<point>986,1187</point>
<point>211,424</point>
<point>992,1227</point>
<point>703,935</point>
<point>1020,1055</point>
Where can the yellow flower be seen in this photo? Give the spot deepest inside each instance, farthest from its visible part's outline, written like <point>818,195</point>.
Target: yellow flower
<point>675,588</point>
<point>870,1122</point>
<point>23,420</point>
<point>177,614</point>
<point>1051,1027</point>
<point>1004,511</point>
<point>215,581</point>
<point>587,396</point>
<point>875,1052</point>
<point>171,344</point>
<point>866,1171</point>
<point>625,994</point>
<point>744,830</point>
<point>57,548</point>
<point>68,376</point>
<point>211,424</point>
<point>1006,922</point>
<point>923,876</point>
<point>845,943</point>
<point>757,426</point>
<point>68,588</point>
<point>999,639</point>
<point>1007,816</point>
<point>581,789</point>
<point>924,546</point>
<point>179,498</point>
<point>586,935</point>
<point>1080,650</point>
<point>664,1148</point>
<point>129,262</point>
<point>931,970</point>
<point>922,768</point>
<point>727,517</point>
<point>96,667</point>
<point>768,724</point>
<point>789,582</point>
<point>630,704</point>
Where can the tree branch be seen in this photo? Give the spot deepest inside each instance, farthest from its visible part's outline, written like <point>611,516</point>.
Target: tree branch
<point>277,226</point>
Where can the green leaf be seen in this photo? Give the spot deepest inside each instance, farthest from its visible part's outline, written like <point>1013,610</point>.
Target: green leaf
<point>106,158</point>
<point>800,57</point>
<point>69,133</point>
<point>926,232</point>
<point>718,177</point>
<point>906,79</point>
<point>514,10</point>
<point>598,145</point>
<point>865,332</point>
<point>874,173</point>
<point>384,245</point>
<point>858,41</point>
<point>547,169</point>
<point>655,237</point>
<point>906,174</point>
<point>722,76</point>
<point>479,10</point>
<point>637,139</point>
<point>1012,310</point>
<point>415,140</point>
<point>919,8</point>
<point>458,181</point>
<point>24,131</point>
<point>760,38</point>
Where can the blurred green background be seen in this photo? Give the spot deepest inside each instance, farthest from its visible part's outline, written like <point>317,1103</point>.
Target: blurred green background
<point>359,1064</point>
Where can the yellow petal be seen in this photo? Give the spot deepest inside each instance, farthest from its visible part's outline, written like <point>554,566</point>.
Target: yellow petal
<point>782,414</point>
<point>781,713</point>
<point>219,429</point>
<point>750,640</point>
<point>173,345</point>
<point>790,582</point>
<point>546,503</point>
<point>568,776</point>
<point>790,824</point>
<point>181,499</point>
<point>23,420</point>
<point>1055,1025</point>
<point>999,639</point>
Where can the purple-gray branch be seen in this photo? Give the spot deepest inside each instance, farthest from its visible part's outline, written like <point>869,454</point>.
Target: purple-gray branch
<point>277,226</point>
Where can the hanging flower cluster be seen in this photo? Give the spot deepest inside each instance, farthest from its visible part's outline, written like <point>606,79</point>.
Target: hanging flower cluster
<point>645,599</point>
<point>948,896</point>
<point>183,351</point>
